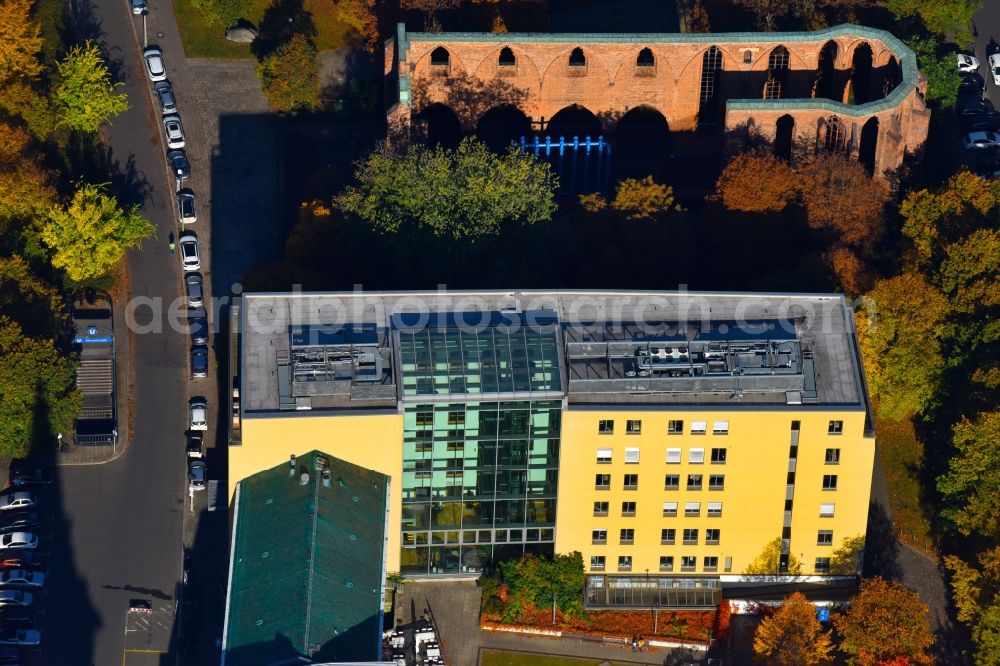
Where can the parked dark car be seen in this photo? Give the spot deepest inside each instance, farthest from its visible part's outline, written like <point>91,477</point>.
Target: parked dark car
<point>19,559</point>
<point>199,361</point>
<point>973,106</point>
<point>16,615</point>
<point>10,655</point>
<point>31,477</point>
<point>179,164</point>
<point>22,520</point>
<point>972,83</point>
<point>198,323</point>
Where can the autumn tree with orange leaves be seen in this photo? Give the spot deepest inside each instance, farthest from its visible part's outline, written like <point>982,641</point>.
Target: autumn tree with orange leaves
<point>757,183</point>
<point>886,623</point>
<point>792,636</point>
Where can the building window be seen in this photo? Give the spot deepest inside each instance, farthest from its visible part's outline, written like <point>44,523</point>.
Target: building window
<point>600,508</point>
<point>796,426</point>
<point>829,482</point>
<point>717,482</point>
<point>822,565</point>
<point>606,427</point>
<point>712,537</point>
<point>835,428</point>
<point>633,427</point>
<point>696,456</point>
<point>824,538</point>
<point>692,509</point>
<point>714,509</point>
<point>747,57</point>
<point>628,508</point>
<point>602,481</point>
<point>599,537</point>
<point>456,418</point>
<point>718,456</point>
<point>675,427</point>
<point>507,59</point>
<point>826,510</point>
<point>778,60</point>
<point>688,562</point>
<point>626,536</point>
<point>667,536</point>
<point>694,482</point>
<point>666,562</point>
<point>624,563</point>
<point>772,87</point>
<point>669,509</point>
<point>833,140</point>
<point>597,563</point>
<point>440,57</point>
<point>711,563</point>
<point>690,537</point>
<point>577,59</point>
<point>631,481</point>
<point>645,58</point>
<point>833,456</point>
<point>631,456</point>
<point>720,428</point>
<point>699,427</point>
<point>604,456</point>
<point>671,481</point>
<point>729,563</point>
<point>711,65</point>
<point>673,456</point>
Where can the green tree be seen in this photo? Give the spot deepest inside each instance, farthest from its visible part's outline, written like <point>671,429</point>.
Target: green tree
<point>900,339</point>
<point>938,65</point>
<point>469,191</point>
<point>768,563</point>
<point>973,588</point>
<point>942,17</point>
<point>970,271</point>
<point>986,636</point>
<point>971,485</point>
<point>92,233</point>
<point>792,636</point>
<point>38,397</point>
<point>885,622</point>
<point>290,76</point>
<point>84,96</point>
<point>223,13</point>
<point>534,581</point>
<point>846,560</point>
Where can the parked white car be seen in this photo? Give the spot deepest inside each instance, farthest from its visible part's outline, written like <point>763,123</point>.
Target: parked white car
<point>16,540</point>
<point>185,207</point>
<point>15,598</point>
<point>154,64</point>
<point>198,408</point>
<point>994,63</point>
<point>19,499</point>
<point>190,256</point>
<point>977,140</point>
<point>173,131</point>
<point>967,63</point>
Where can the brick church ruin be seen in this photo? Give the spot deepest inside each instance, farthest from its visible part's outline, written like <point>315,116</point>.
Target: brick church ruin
<point>849,88</point>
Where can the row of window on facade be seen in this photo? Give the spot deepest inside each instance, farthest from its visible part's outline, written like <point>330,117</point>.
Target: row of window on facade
<point>713,509</point>
<point>694,481</point>
<point>689,537</point>
<point>696,456</point>
<point>451,537</point>
<point>777,60</point>
<point>676,427</point>
<point>689,563</point>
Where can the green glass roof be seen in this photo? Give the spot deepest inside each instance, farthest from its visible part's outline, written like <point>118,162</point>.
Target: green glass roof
<point>497,359</point>
<point>306,567</point>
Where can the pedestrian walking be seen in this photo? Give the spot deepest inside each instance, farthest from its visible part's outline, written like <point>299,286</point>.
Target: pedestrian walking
<point>171,244</point>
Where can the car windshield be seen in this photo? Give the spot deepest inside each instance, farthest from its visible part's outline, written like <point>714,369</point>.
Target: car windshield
<point>188,249</point>
<point>187,206</point>
<point>7,539</point>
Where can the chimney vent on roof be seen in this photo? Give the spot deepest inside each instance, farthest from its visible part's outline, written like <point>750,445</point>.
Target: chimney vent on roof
<point>304,479</point>
<point>291,465</point>
<point>326,478</point>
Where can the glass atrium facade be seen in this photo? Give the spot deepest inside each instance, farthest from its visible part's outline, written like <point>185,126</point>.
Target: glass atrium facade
<point>479,483</point>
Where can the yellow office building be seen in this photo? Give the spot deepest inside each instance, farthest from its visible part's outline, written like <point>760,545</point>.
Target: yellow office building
<point>661,434</point>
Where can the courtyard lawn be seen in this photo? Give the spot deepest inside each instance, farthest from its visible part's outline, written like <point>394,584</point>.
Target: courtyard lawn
<point>206,41</point>
<point>492,658</point>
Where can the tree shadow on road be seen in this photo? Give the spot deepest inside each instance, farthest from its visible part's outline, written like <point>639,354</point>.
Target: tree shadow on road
<point>90,159</point>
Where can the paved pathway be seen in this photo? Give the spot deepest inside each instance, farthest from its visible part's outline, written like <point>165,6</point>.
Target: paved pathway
<point>455,606</point>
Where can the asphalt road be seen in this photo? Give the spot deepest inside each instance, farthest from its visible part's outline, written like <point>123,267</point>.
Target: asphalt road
<point>986,25</point>
<point>117,528</point>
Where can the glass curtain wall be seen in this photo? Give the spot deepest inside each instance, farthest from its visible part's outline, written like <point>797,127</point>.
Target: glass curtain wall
<point>479,483</point>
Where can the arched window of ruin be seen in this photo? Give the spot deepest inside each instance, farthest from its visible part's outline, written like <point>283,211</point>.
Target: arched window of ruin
<point>834,135</point>
<point>577,59</point>
<point>507,58</point>
<point>440,57</point>
<point>711,64</point>
<point>778,60</point>
<point>645,58</point>
<point>747,57</point>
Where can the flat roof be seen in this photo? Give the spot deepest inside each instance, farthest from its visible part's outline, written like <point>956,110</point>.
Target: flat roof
<point>306,567</point>
<point>357,350</point>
